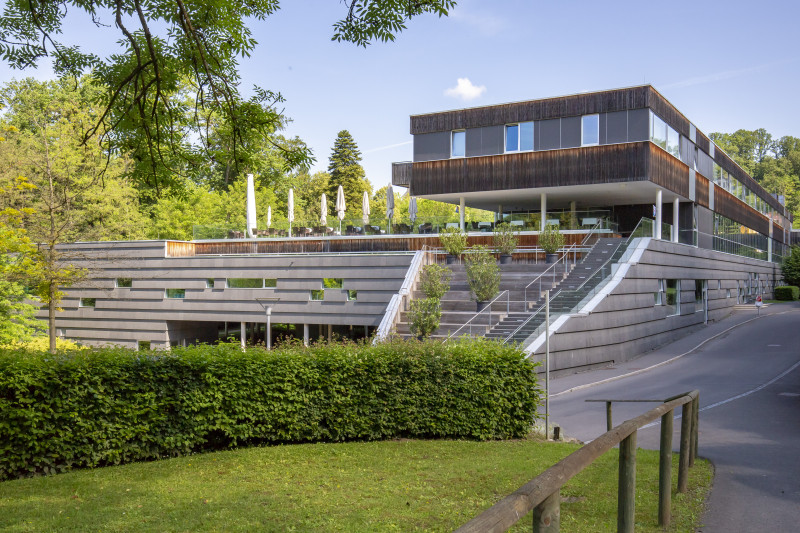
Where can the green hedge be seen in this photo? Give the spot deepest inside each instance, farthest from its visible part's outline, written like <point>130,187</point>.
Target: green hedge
<point>787,293</point>
<point>111,406</point>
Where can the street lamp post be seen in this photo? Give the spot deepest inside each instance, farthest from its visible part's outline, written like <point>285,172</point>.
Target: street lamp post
<point>267,304</point>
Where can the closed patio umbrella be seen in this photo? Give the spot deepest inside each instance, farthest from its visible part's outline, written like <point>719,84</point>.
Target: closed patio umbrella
<point>365,208</point>
<point>269,216</point>
<point>389,207</point>
<point>290,210</point>
<point>340,206</point>
<point>412,209</point>
<point>251,207</point>
<point>323,209</point>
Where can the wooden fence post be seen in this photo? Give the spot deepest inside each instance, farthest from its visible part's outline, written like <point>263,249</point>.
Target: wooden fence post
<point>547,515</point>
<point>609,423</point>
<point>665,471</point>
<point>686,436</point>
<point>695,427</point>
<point>626,497</point>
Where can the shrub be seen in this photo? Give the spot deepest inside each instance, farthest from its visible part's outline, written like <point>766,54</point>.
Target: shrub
<point>789,293</point>
<point>483,274</point>
<point>112,406</point>
<point>454,241</point>
<point>424,316</point>
<point>791,267</point>
<point>435,280</point>
<point>505,239</point>
<point>550,239</point>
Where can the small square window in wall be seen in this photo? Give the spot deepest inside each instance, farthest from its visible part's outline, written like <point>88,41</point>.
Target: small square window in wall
<point>245,283</point>
<point>124,282</point>
<point>143,345</point>
<point>590,130</point>
<point>175,293</point>
<point>458,144</point>
<point>318,295</point>
<point>673,296</point>
<point>352,295</point>
<point>87,302</point>
<point>210,283</point>
<point>332,283</point>
<point>270,283</point>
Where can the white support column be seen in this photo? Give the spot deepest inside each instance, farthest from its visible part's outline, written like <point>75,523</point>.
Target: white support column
<point>676,203</point>
<point>544,211</point>
<point>769,242</point>
<point>243,334</point>
<point>573,217</point>
<point>305,334</point>
<point>269,328</point>
<point>461,213</point>
<point>658,215</point>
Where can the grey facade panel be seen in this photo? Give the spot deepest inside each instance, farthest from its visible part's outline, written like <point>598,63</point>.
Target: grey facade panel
<point>705,164</point>
<point>549,134</point>
<point>570,132</point>
<point>432,146</point>
<point>616,127</point>
<point>639,125</point>
<point>485,141</point>
<point>603,128</point>
<point>705,227</point>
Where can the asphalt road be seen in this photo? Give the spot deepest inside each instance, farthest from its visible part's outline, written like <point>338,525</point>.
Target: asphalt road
<point>749,382</point>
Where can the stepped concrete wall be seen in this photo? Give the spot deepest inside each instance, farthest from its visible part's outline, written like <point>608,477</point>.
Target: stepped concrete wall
<point>629,322</point>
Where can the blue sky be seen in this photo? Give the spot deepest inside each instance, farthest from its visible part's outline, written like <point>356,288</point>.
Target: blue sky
<point>725,65</point>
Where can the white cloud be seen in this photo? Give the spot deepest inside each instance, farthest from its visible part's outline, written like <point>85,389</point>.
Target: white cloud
<point>486,23</point>
<point>465,90</point>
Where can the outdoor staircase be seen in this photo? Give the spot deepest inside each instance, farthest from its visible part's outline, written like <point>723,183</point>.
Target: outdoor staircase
<point>458,304</point>
<point>517,327</point>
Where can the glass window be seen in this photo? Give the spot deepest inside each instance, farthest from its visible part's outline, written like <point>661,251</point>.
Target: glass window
<point>176,293</point>
<point>318,294</point>
<point>590,130</point>
<point>458,144</point>
<point>673,296</point>
<point>658,133</point>
<point>519,137</point>
<point>512,138</point>
<point>124,282</point>
<point>210,283</point>
<point>332,283</point>
<point>270,283</point>
<point>717,174</point>
<point>352,295</point>
<point>673,142</point>
<point>87,302</point>
<point>698,294</point>
<point>245,283</point>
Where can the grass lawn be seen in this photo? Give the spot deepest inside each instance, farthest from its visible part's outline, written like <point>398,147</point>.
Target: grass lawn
<point>405,485</point>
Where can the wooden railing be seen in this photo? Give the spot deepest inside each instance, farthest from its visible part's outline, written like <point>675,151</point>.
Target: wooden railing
<point>542,494</point>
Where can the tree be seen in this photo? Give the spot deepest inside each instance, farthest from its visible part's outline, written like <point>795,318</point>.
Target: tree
<point>146,107</point>
<point>345,170</point>
<point>791,267</point>
<point>310,189</point>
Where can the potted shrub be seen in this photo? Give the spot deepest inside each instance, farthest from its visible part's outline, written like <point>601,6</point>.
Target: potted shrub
<point>483,275</point>
<point>550,239</point>
<point>435,281</point>
<point>424,317</point>
<point>505,241</point>
<point>454,242</point>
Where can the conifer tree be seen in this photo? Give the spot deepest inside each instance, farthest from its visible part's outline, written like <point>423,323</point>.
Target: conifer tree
<point>345,170</point>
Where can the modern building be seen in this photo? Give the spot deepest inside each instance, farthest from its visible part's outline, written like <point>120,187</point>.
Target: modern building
<point>610,163</point>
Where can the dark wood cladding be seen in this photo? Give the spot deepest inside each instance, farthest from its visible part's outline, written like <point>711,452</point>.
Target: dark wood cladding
<point>401,174</point>
<point>408,243</point>
<point>575,166</point>
<point>729,206</point>
<point>548,108</point>
<point>669,172</point>
<point>701,190</point>
<point>702,142</point>
<point>728,164</point>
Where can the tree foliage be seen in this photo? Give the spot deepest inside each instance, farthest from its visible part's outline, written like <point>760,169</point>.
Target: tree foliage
<point>791,267</point>
<point>345,169</point>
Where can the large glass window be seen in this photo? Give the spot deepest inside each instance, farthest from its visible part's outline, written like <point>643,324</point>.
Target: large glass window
<point>672,296</point>
<point>519,137</point>
<point>590,130</point>
<point>458,144</point>
<point>658,131</point>
<point>673,142</point>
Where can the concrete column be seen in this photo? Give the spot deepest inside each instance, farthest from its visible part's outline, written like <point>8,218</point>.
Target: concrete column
<point>658,215</point>
<point>676,203</point>
<point>305,334</point>
<point>499,217</point>
<point>769,242</point>
<point>573,217</point>
<point>268,331</point>
<point>461,213</point>
<point>330,332</point>
<point>366,331</point>
<point>243,335</point>
<point>544,211</point>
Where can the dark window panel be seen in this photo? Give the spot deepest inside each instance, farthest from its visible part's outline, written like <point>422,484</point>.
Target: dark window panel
<point>570,132</point>
<point>639,125</point>
<point>616,127</point>
<point>432,146</point>
<point>550,134</point>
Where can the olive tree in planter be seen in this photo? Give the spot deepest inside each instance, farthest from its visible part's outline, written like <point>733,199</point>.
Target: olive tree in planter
<point>454,242</point>
<point>435,281</point>
<point>424,316</point>
<point>505,241</point>
<point>550,239</point>
<point>483,275</point>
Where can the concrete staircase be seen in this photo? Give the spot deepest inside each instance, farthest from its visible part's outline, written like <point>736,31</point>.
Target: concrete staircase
<point>519,326</point>
<point>459,306</point>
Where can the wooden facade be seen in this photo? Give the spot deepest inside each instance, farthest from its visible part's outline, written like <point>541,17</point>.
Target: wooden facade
<point>729,206</point>
<point>701,190</point>
<point>668,171</point>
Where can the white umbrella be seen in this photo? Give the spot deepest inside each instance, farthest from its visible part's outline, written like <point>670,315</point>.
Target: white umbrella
<point>365,208</point>
<point>323,209</point>
<point>340,207</point>
<point>412,209</point>
<point>290,210</point>
<point>251,206</point>
<point>269,216</point>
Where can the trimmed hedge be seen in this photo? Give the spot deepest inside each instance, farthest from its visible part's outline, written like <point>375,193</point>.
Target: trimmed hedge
<point>787,293</point>
<point>112,406</point>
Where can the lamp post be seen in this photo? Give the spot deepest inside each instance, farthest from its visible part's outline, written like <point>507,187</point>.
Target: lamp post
<point>267,304</point>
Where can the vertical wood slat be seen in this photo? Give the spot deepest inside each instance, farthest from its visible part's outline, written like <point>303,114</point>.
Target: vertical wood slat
<point>685,447</point>
<point>665,471</point>
<point>701,190</point>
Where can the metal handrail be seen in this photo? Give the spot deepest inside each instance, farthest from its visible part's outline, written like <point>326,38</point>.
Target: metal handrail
<point>540,276</point>
<point>489,307</point>
<point>533,314</point>
<point>542,494</point>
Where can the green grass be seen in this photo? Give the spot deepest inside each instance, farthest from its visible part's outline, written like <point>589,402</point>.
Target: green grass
<point>405,485</point>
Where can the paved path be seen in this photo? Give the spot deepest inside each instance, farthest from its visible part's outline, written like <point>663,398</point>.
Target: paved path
<point>748,372</point>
